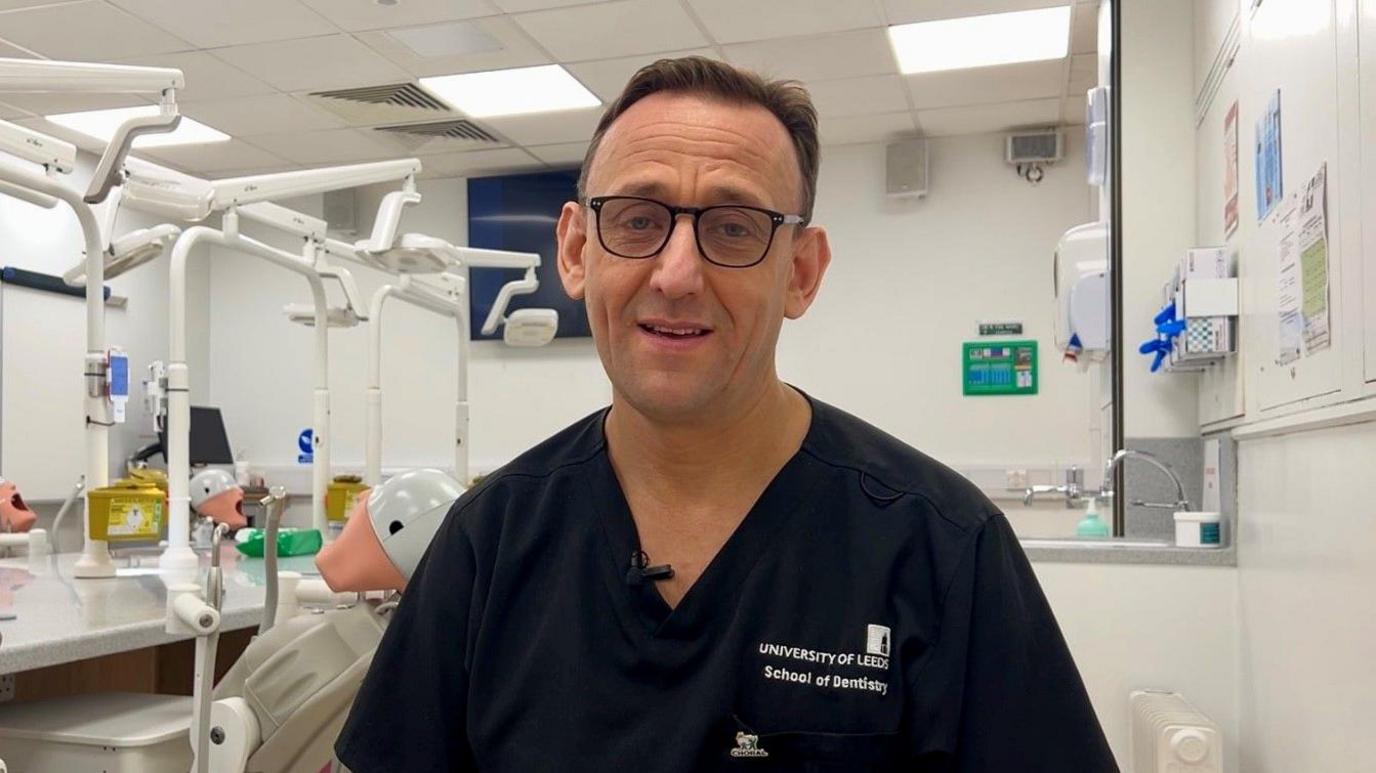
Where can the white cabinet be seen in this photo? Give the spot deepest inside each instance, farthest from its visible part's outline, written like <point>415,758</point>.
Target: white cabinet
<point>1289,45</point>
<point>1367,86</point>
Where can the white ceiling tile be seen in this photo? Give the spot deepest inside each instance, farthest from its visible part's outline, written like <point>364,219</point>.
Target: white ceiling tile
<point>10,5</point>
<point>13,52</point>
<point>1074,111</point>
<point>866,128</point>
<point>477,163</point>
<point>866,95</point>
<point>607,77</point>
<point>1084,74</point>
<point>1003,83</point>
<point>87,31</point>
<point>313,64</point>
<point>521,6</point>
<point>608,30</point>
<point>1084,29</point>
<point>213,23</point>
<point>216,158</point>
<point>731,21</point>
<point>979,119</point>
<point>265,114</point>
<point>52,104</point>
<point>206,76</point>
<point>547,128</point>
<point>905,11</point>
<point>517,51</point>
<point>824,57</point>
<point>564,154</point>
<point>355,15</point>
<point>335,146</point>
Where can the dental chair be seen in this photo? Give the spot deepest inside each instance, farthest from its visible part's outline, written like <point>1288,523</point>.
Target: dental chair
<point>281,706</point>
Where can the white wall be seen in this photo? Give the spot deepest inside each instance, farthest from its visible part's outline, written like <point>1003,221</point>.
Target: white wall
<point>1158,184</point>
<point>1131,627</point>
<point>911,279</point>
<point>1308,618</point>
<point>50,241</point>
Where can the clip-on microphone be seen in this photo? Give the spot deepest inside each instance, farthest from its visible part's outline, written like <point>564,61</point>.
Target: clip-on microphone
<point>640,570</point>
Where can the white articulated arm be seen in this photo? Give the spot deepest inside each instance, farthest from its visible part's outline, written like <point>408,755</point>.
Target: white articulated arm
<point>388,220</point>
<point>523,286</point>
<point>41,76</point>
<point>54,154</point>
<point>107,174</point>
<point>266,187</point>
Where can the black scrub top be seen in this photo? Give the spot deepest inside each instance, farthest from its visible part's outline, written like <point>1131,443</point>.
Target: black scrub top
<point>872,612</point>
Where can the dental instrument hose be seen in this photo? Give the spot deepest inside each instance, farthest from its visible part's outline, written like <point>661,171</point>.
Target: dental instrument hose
<point>205,656</point>
<point>272,504</point>
<point>62,511</point>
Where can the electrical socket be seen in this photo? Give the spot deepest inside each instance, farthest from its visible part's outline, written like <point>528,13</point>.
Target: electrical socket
<point>6,688</point>
<point>1016,479</point>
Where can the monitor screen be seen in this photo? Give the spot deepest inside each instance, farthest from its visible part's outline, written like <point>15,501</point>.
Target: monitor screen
<point>519,212</point>
<point>209,443</point>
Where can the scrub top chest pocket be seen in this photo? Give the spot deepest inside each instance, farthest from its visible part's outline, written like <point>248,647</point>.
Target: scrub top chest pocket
<point>835,707</point>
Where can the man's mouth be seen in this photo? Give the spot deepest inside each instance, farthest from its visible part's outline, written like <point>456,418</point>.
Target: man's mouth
<point>674,332</point>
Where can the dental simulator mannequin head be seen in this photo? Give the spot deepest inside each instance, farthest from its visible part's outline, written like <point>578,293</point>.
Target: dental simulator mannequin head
<point>215,495</point>
<point>388,532</point>
<point>15,516</point>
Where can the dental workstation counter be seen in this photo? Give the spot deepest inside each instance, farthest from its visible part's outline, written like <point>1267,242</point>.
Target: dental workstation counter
<point>49,617</point>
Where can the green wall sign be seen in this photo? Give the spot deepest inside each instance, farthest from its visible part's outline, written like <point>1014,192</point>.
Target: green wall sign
<point>999,368</point>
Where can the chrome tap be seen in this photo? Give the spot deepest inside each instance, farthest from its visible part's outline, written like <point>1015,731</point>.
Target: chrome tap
<point>1073,488</point>
<point>1182,502</point>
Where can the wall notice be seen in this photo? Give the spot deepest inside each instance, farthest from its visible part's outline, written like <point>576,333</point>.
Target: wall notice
<point>1313,248</point>
<point>1230,172</point>
<point>1270,186</point>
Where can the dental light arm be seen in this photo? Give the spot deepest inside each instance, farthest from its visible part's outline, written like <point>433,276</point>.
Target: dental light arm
<point>128,252</point>
<point>107,174</point>
<point>388,220</point>
<point>350,314</point>
<point>40,76</point>
<point>237,191</point>
<point>50,152</point>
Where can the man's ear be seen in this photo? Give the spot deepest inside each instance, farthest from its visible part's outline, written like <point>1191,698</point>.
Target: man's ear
<point>572,235</point>
<point>811,256</point>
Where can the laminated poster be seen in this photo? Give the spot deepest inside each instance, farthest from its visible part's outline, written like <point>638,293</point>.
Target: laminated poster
<point>1230,195</point>
<point>1313,249</point>
<point>1270,188</point>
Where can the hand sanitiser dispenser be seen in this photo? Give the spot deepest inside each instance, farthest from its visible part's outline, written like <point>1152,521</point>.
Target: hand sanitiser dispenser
<point>1081,287</point>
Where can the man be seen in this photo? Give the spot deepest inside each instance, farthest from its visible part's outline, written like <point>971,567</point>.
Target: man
<point>718,572</point>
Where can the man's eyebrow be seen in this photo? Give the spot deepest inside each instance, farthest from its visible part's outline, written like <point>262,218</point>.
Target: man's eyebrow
<point>716,194</point>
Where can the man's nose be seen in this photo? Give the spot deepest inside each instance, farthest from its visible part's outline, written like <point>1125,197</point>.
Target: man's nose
<point>678,267</point>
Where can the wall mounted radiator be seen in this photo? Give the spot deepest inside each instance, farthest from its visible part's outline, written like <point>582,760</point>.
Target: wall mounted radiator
<point>1171,736</point>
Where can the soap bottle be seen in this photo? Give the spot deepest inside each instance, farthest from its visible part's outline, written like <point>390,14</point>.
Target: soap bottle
<point>1091,525</point>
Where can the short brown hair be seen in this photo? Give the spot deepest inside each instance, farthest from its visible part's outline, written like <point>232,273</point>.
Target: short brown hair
<point>788,100</point>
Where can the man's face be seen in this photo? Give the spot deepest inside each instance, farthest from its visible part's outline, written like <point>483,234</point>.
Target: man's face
<point>692,151</point>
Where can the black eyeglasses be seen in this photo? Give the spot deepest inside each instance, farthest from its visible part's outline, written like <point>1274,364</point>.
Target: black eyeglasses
<point>733,236</point>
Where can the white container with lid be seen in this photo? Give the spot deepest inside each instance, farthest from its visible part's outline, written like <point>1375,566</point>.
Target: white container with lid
<point>1195,529</point>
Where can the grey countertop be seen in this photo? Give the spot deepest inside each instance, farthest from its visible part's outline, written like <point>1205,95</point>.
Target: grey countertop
<point>1125,551</point>
<point>60,619</point>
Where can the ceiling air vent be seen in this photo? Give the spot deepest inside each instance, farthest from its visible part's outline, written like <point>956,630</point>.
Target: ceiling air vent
<point>456,134</point>
<point>392,103</point>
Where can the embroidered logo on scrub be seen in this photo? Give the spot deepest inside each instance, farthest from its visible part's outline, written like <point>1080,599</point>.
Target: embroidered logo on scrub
<point>748,745</point>
<point>877,640</point>
<point>824,666</point>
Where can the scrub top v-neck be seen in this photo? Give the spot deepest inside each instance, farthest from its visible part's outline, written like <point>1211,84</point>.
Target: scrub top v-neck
<point>872,612</point>
<point>710,595</point>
